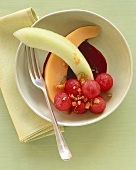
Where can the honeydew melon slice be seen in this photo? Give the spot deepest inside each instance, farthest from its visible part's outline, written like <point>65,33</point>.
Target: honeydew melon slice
<point>59,45</point>
<point>56,68</point>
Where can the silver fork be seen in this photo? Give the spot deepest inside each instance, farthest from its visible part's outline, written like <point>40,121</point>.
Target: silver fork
<point>39,82</point>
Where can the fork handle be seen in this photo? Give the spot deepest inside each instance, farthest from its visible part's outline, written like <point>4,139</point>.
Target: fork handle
<point>64,151</point>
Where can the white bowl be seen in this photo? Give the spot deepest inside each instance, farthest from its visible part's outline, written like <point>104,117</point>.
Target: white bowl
<point>110,42</point>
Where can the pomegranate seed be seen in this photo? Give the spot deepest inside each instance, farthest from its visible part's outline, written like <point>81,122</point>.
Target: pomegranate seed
<point>91,89</point>
<point>105,81</point>
<point>78,107</point>
<point>98,105</point>
<point>62,101</point>
<point>73,86</point>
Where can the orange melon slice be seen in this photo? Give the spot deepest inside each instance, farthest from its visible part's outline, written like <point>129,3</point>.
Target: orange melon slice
<point>56,68</point>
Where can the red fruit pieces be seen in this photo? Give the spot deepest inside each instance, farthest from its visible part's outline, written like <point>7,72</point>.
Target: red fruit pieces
<point>62,101</point>
<point>98,105</point>
<point>105,81</point>
<point>80,97</point>
<point>78,107</point>
<point>72,86</point>
<point>91,89</point>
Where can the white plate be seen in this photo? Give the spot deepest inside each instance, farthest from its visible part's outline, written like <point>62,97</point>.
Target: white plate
<point>110,42</point>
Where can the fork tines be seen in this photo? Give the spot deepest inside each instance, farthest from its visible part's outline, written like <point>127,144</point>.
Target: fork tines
<point>32,61</point>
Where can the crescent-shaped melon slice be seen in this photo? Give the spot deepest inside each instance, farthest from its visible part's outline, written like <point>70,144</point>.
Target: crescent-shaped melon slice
<point>56,68</point>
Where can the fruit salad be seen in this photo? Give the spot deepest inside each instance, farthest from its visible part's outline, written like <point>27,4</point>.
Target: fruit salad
<point>75,72</point>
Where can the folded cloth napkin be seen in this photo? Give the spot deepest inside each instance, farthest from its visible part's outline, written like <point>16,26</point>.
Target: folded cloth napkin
<point>28,125</point>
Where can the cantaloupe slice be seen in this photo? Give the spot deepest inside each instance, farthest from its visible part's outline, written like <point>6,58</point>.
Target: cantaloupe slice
<point>56,68</point>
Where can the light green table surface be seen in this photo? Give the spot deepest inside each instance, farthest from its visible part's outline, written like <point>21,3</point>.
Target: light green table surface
<point>107,145</point>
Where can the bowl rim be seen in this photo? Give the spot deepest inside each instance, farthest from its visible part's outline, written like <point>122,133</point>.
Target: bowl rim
<point>103,115</point>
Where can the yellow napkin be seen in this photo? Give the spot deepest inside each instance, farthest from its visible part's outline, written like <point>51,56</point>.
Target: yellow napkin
<point>28,125</point>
